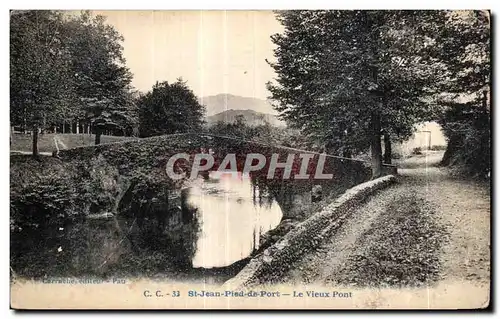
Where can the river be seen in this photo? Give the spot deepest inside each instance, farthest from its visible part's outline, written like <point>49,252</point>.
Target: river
<point>214,225</point>
<point>230,216</point>
<point>233,216</point>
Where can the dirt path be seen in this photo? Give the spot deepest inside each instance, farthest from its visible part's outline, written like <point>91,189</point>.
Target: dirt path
<point>445,234</point>
<point>57,142</point>
<point>464,209</point>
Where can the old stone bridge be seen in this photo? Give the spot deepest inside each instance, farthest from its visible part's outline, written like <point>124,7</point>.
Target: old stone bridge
<point>105,180</point>
<point>123,163</point>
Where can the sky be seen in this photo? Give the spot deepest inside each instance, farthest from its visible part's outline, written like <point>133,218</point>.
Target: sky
<point>215,51</point>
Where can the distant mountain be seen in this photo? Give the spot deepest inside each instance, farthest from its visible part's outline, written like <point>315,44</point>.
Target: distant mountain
<point>252,117</point>
<point>223,102</point>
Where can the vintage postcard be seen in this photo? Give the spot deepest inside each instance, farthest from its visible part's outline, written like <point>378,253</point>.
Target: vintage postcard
<point>290,159</point>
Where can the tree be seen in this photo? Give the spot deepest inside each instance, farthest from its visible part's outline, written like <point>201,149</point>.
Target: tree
<point>464,47</point>
<point>40,77</point>
<point>341,80</point>
<point>102,80</point>
<point>239,128</point>
<point>168,109</point>
<point>66,67</point>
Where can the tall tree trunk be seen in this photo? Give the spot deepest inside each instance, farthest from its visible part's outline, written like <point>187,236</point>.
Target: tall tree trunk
<point>25,126</point>
<point>64,128</point>
<point>35,140</point>
<point>370,22</point>
<point>42,130</point>
<point>98,133</point>
<point>376,146</point>
<point>187,213</point>
<point>451,149</point>
<point>387,149</point>
<point>485,101</point>
<point>77,127</point>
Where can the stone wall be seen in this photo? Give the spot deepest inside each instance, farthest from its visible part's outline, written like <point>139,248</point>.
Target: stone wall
<point>276,260</point>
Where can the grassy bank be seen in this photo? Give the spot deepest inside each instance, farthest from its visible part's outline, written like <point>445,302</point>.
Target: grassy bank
<point>46,143</point>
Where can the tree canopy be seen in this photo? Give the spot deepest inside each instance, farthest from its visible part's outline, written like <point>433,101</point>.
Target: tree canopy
<point>347,77</point>
<point>40,68</point>
<point>68,67</point>
<point>466,118</point>
<point>168,109</point>
<point>101,78</point>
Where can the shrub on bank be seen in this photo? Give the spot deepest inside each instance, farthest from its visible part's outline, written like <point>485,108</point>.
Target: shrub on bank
<point>47,190</point>
<point>438,147</point>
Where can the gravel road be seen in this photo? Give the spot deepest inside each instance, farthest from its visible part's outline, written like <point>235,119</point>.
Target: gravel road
<point>428,228</point>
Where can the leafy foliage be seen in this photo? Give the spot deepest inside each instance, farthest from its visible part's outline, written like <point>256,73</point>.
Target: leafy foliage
<point>264,133</point>
<point>168,109</point>
<point>40,77</point>
<point>48,191</point>
<point>49,201</point>
<point>465,50</point>
<point>344,77</point>
<point>101,79</point>
<point>66,67</point>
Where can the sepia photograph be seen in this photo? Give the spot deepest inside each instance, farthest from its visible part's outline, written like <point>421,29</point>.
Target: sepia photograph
<point>250,159</point>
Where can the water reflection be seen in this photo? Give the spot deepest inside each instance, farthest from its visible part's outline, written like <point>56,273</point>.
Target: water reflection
<point>233,215</point>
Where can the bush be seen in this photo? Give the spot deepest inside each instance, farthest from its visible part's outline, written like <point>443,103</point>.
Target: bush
<point>48,202</point>
<point>467,129</point>
<point>417,151</point>
<point>396,155</point>
<point>472,156</point>
<point>438,147</point>
<point>48,191</point>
